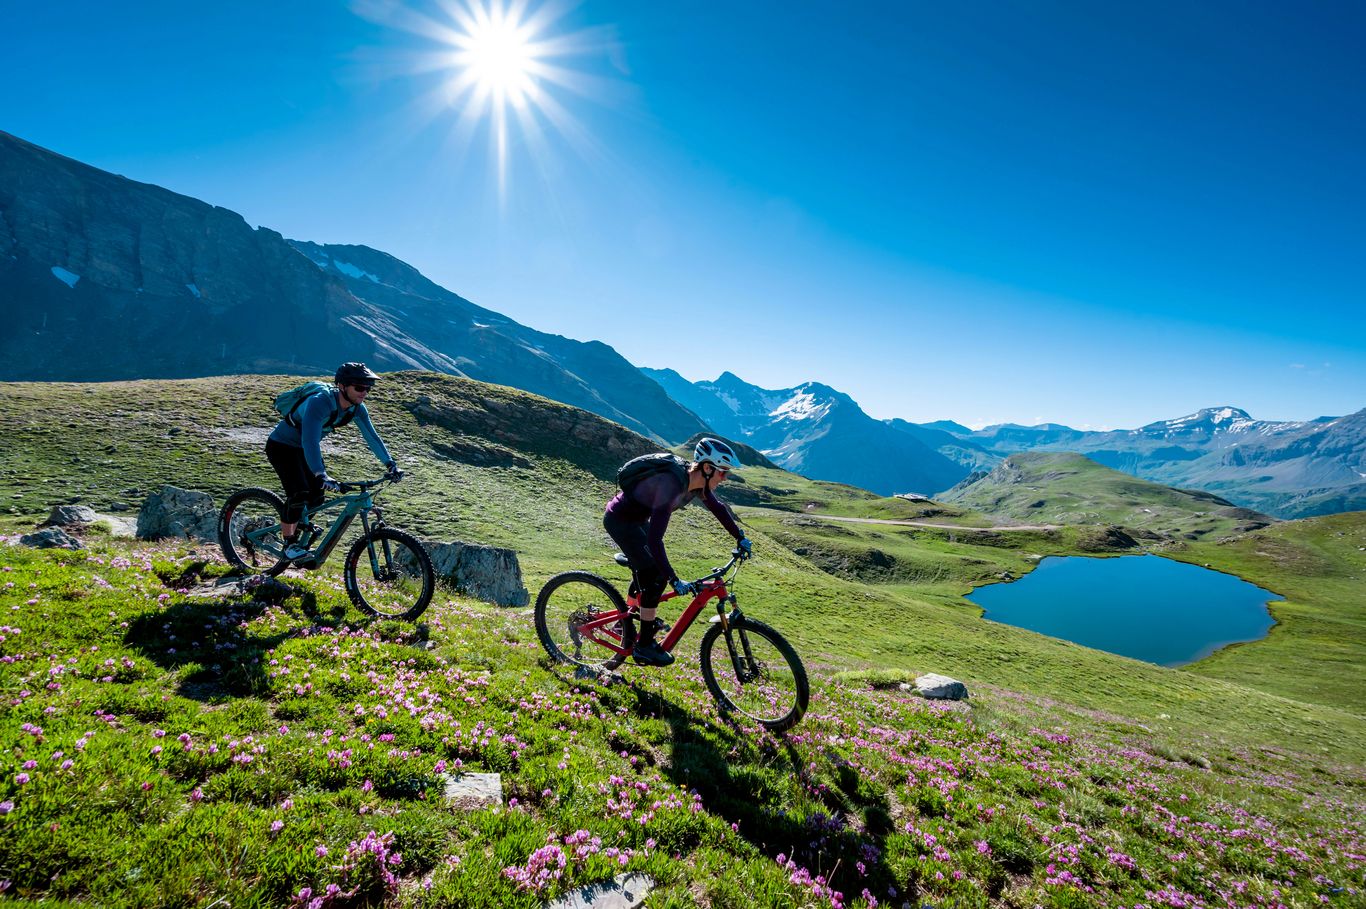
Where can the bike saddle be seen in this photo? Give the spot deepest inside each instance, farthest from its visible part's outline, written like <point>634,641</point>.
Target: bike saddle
<point>622,560</point>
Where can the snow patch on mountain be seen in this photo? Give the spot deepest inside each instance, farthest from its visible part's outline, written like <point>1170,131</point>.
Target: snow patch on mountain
<point>801,406</point>
<point>353,271</point>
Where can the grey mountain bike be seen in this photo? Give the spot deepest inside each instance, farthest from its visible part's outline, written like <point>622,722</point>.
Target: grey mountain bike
<point>387,571</point>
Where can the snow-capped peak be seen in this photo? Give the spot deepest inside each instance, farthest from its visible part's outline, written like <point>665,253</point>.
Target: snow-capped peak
<point>801,406</point>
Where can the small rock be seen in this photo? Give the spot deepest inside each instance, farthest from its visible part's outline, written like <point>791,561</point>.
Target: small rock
<point>51,538</point>
<point>940,687</point>
<point>66,515</point>
<point>473,790</point>
<point>625,891</point>
<point>119,506</point>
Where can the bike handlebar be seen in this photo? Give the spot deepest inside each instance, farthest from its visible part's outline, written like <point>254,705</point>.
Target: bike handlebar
<point>366,484</point>
<point>737,557</point>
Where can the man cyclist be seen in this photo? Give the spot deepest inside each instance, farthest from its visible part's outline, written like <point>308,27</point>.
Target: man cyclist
<point>637,517</point>
<point>295,451</point>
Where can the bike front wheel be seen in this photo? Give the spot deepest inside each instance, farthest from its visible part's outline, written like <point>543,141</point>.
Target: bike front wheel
<point>580,617</point>
<point>249,531</point>
<point>389,574</point>
<point>753,671</point>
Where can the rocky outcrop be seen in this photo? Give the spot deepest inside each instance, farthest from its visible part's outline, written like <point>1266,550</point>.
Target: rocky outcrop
<point>50,538</point>
<point>67,515</point>
<point>178,513</point>
<point>485,572</point>
<point>535,426</point>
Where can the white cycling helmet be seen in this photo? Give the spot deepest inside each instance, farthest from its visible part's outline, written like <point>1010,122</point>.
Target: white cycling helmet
<point>717,453</point>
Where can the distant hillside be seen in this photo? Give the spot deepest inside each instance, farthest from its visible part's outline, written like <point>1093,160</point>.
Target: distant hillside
<point>816,431</point>
<point>106,278</point>
<point>1289,469</point>
<point>1066,488</point>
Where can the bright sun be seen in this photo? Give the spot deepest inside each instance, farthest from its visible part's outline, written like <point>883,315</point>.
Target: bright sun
<point>501,65</point>
<point>499,56</point>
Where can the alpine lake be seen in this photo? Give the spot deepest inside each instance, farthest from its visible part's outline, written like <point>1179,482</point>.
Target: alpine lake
<point>1145,607</point>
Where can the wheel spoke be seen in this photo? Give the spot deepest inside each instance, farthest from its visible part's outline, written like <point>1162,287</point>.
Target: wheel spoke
<point>755,673</point>
<point>579,619</point>
<point>403,584</point>
<point>249,531</point>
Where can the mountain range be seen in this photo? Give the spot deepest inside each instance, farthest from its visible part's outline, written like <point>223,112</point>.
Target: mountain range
<point>104,278</point>
<point>1288,469</point>
<point>816,431</point>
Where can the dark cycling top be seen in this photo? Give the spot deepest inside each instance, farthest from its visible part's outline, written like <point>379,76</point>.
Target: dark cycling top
<point>312,414</point>
<point>655,499</point>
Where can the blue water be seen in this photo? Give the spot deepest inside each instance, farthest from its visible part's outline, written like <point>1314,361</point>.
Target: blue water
<point>1144,607</point>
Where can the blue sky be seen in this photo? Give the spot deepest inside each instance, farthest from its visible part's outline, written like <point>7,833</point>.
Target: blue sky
<point>1095,214</point>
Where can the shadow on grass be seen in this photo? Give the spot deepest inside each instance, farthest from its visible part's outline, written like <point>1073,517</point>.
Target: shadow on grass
<point>745,776</point>
<point>213,634</point>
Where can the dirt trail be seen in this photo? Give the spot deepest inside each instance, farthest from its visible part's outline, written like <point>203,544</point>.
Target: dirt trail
<point>831,517</point>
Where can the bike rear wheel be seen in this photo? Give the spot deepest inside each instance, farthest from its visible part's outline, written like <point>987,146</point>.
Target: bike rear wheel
<point>398,583</point>
<point>755,672</point>
<point>570,600</point>
<point>249,531</point>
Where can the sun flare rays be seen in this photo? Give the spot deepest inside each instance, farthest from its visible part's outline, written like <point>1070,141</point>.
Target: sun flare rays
<point>499,65</point>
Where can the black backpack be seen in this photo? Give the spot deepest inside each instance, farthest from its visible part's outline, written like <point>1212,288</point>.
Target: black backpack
<point>637,469</point>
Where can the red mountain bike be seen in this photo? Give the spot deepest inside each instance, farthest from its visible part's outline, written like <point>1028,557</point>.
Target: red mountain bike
<point>748,667</point>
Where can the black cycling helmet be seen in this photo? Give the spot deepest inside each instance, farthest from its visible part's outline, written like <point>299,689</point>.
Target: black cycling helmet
<point>355,374</point>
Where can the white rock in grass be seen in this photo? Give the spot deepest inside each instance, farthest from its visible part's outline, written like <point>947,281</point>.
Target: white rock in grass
<point>940,687</point>
<point>625,891</point>
<point>473,790</point>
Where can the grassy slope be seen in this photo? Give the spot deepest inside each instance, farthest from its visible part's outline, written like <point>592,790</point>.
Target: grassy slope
<point>1096,733</point>
<point>95,441</point>
<point>166,750</point>
<point>1066,488</point>
<point>1318,651</point>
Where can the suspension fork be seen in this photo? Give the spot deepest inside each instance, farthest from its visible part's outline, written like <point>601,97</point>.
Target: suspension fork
<point>370,546</point>
<point>729,623</point>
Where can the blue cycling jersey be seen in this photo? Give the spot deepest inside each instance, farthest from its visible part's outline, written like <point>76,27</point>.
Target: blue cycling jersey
<point>314,416</point>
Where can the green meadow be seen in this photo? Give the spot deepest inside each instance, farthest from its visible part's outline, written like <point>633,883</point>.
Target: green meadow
<point>242,750</point>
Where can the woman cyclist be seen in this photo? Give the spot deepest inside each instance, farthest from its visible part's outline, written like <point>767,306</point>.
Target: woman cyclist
<point>295,451</point>
<point>637,517</point>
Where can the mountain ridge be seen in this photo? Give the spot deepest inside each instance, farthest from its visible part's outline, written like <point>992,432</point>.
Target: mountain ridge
<point>817,431</point>
<point>110,278</point>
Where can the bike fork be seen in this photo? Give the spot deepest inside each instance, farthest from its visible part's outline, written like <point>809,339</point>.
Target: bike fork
<point>370,547</point>
<point>731,626</point>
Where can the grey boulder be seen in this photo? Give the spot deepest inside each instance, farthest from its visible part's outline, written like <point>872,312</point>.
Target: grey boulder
<point>940,687</point>
<point>486,572</point>
<point>66,515</point>
<point>51,538</point>
<point>180,513</point>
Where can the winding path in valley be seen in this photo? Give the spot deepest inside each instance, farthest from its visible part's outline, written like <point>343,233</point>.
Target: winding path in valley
<point>831,517</point>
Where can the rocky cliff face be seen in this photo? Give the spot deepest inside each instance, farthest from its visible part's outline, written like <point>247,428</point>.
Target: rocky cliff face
<point>105,278</point>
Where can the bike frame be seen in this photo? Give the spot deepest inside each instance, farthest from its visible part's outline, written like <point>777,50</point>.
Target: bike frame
<point>360,503</point>
<point>712,587</point>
